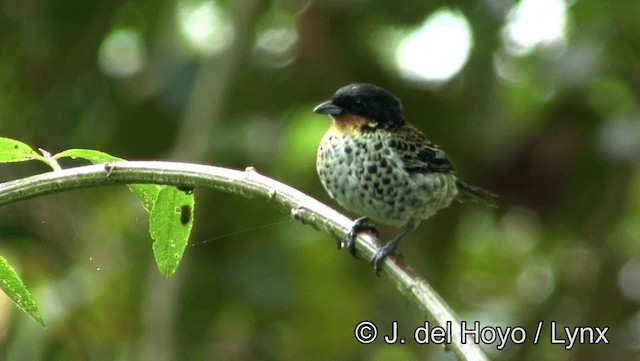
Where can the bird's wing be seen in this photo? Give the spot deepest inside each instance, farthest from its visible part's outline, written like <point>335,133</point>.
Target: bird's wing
<point>418,154</point>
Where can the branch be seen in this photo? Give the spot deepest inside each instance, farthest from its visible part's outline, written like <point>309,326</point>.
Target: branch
<point>249,184</point>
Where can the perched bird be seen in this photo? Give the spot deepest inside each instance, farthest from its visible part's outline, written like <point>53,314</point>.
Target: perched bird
<point>374,163</point>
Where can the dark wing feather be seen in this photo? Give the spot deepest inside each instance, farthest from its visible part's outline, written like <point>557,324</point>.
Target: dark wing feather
<point>418,154</point>
<point>433,159</point>
<point>469,193</point>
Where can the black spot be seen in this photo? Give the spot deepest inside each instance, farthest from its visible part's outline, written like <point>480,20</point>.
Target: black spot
<point>386,181</point>
<point>372,169</point>
<point>384,163</point>
<point>185,214</point>
<point>378,146</point>
<point>412,148</point>
<point>392,143</point>
<point>365,187</point>
<point>186,189</point>
<point>347,149</point>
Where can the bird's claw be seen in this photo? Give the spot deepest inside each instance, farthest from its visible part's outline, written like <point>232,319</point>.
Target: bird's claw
<point>384,252</point>
<point>360,225</point>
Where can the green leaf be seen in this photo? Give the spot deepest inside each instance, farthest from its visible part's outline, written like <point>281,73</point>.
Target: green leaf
<point>146,192</point>
<point>93,156</point>
<point>171,213</point>
<point>13,286</point>
<point>170,225</point>
<point>14,151</point>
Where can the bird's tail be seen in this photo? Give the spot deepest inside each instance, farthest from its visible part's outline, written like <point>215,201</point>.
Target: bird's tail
<point>467,192</point>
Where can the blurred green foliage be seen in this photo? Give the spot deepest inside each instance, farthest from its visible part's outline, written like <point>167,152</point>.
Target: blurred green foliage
<point>555,131</point>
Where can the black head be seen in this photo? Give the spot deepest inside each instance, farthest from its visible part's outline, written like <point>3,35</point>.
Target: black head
<point>366,100</point>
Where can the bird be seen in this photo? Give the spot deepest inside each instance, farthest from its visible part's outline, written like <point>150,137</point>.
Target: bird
<point>376,164</point>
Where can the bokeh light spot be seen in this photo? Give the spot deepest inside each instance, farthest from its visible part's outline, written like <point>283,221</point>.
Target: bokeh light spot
<point>122,53</point>
<point>437,50</point>
<point>204,26</point>
<point>629,279</point>
<point>534,22</point>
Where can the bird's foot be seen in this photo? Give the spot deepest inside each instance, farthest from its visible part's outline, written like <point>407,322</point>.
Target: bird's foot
<point>360,225</point>
<point>386,250</point>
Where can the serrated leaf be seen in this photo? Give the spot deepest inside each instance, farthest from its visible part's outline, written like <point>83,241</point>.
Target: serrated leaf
<point>13,286</point>
<point>15,151</point>
<point>170,225</point>
<point>146,192</point>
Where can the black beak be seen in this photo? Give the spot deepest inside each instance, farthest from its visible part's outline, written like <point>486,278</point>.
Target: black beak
<point>328,108</point>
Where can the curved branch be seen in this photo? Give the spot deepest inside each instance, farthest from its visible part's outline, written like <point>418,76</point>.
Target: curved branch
<point>249,184</point>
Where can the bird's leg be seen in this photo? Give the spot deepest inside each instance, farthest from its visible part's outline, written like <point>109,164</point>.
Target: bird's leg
<point>391,246</point>
<point>360,225</point>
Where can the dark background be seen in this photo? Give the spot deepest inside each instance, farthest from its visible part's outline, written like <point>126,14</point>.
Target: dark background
<point>554,130</point>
